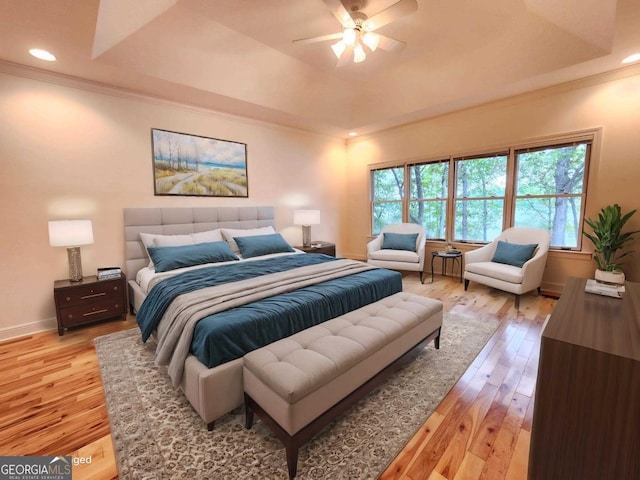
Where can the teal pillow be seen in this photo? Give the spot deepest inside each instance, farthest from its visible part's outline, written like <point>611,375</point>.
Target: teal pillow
<point>257,245</point>
<point>399,241</point>
<point>170,258</point>
<point>513,253</point>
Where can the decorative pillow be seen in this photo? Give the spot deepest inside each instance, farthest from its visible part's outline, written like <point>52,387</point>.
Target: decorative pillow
<point>399,241</point>
<point>157,240</point>
<point>230,233</point>
<point>170,258</point>
<point>256,245</point>
<point>513,253</point>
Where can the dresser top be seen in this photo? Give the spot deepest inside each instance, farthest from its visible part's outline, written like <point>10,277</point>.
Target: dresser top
<point>605,324</point>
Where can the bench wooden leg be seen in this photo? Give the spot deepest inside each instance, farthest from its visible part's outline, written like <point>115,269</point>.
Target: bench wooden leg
<point>292,458</point>
<point>248,412</point>
<point>436,341</point>
<point>210,425</point>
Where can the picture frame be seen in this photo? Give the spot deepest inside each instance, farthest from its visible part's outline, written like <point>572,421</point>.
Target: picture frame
<point>193,165</point>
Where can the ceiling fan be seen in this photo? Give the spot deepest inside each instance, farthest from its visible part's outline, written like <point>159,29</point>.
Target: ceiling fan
<point>358,30</point>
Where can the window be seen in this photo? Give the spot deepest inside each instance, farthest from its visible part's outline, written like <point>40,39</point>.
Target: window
<point>387,193</point>
<point>480,196</point>
<point>550,190</point>
<point>429,187</point>
<point>474,198</point>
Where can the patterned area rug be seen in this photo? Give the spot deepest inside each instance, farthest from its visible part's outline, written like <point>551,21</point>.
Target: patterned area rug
<point>157,435</point>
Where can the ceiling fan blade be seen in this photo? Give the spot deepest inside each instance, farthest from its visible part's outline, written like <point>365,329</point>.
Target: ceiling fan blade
<point>322,38</point>
<point>390,44</point>
<point>340,13</point>
<point>388,15</point>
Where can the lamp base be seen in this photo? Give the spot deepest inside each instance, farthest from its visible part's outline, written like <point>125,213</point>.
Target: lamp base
<point>75,264</point>
<point>306,235</point>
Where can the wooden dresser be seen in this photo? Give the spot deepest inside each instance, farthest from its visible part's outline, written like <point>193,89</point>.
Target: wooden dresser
<point>586,420</point>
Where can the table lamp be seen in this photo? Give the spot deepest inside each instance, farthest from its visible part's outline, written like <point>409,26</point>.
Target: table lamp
<point>306,218</point>
<point>71,234</point>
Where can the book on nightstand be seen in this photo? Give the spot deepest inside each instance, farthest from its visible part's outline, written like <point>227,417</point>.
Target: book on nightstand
<point>109,272</point>
<point>608,290</point>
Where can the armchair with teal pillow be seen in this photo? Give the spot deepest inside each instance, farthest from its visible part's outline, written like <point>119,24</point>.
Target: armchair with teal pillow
<point>399,246</point>
<point>513,262</point>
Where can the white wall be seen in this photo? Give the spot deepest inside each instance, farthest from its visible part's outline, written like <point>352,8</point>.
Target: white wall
<point>75,151</point>
<point>611,102</point>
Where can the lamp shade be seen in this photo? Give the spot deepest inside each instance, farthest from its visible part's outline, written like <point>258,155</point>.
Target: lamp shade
<point>306,217</point>
<point>70,233</point>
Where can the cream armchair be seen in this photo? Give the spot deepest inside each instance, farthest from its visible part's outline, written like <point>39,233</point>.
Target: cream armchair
<point>398,259</point>
<point>480,268</point>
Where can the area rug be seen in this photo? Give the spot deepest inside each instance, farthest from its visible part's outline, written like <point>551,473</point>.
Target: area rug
<point>157,434</point>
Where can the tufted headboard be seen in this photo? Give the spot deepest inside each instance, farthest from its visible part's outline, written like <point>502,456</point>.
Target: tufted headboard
<point>180,221</point>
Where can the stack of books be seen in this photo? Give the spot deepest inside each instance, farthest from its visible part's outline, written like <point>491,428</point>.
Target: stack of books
<point>609,290</point>
<point>109,272</point>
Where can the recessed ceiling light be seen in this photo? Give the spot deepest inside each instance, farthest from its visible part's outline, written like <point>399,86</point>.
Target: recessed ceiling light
<point>632,58</point>
<point>353,134</point>
<point>42,54</point>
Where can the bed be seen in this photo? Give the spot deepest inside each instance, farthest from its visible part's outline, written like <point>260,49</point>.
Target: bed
<point>204,318</point>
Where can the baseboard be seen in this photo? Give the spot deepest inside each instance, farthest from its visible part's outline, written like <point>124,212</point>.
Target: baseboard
<point>28,329</point>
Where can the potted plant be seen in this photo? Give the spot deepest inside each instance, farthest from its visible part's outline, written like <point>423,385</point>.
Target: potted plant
<point>609,241</point>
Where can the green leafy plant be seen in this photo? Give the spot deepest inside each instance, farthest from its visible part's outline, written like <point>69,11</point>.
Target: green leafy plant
<point>608,238</point>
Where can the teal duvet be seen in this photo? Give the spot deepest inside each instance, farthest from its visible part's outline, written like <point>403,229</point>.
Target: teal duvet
<point>230,334</point>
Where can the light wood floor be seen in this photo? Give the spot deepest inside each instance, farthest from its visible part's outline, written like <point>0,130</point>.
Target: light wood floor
<point>52,401</point>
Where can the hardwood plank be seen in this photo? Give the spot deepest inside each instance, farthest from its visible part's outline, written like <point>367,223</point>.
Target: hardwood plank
<point>497,463</point>
<point>520,458</point>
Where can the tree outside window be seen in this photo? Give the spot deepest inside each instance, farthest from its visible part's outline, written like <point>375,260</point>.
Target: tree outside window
<point>387,197</point>
<point>550,189</point>
<point>429,187</point>
<point>480,195</point>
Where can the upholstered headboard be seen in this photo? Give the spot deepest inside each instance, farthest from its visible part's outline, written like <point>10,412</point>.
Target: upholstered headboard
<point>180,221</point>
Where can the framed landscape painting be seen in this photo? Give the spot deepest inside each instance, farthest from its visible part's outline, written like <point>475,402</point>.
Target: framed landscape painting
<point>198,166</point>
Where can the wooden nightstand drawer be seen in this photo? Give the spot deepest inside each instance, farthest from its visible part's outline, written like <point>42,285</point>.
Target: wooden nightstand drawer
<point>92,312</point>
<point>89,300</point>
<point>96,291</point>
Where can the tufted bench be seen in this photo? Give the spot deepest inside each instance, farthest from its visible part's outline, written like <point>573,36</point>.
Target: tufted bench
<point>297,385</point>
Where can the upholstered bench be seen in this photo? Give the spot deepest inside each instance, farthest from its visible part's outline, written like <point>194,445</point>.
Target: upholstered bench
<point>297,385</point>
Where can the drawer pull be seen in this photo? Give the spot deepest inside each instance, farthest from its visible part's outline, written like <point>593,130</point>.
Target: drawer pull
<point>94,295</point>
<point>94,313</point>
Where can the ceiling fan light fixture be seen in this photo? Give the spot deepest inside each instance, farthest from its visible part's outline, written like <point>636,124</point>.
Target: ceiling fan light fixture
<point>371,40</point>
<point>349,36</point>
<point>338,48</point>
<point>358,54</point>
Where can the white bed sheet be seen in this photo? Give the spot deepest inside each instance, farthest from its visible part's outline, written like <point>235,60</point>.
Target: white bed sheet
<point>148,274</point>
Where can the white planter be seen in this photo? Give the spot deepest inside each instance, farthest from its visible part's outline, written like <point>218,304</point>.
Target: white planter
<point>616,278</point>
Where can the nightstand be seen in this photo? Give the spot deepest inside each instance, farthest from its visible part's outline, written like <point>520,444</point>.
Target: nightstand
<point>89,300</point>
<point>327,248</point>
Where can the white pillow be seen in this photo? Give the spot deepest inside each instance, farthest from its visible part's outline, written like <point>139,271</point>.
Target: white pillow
<point>229,233</point>
<point>172,240</point>
<point>208,236</point>
<point>147,241</point>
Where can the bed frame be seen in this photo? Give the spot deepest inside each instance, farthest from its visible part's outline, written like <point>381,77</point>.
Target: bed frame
<point>212,392</point>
